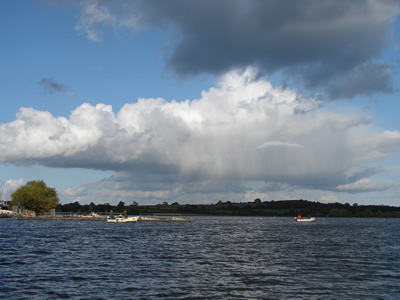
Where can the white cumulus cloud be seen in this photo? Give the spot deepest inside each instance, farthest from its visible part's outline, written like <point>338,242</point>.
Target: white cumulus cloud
<point>8,187</point>
<point>243,129</point>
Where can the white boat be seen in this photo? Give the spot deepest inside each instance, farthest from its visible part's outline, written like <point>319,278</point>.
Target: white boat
<point>5,213</point>
<point>309,219</point>
<point>123,220</point>
<point>92,215</point>
<point>154,218</point>
<point>179,219</point>
<point>162,219</point>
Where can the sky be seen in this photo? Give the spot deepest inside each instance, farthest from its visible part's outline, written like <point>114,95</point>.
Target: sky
<point>197,102</point>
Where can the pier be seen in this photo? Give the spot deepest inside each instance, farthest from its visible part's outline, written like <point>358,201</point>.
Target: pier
<point>30,215</point>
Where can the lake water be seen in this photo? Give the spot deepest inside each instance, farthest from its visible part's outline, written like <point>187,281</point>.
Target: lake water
<point>211,258</point>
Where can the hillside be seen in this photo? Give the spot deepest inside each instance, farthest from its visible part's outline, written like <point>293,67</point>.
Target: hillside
<point>257,208</point>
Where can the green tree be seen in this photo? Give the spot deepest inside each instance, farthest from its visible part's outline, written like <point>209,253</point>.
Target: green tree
<point>92,207</point>
<point>339,212</point>
<point>121,206</point>
<point>366,213</point>
<point>36,196</point>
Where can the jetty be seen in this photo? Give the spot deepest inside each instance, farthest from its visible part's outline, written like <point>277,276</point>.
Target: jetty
<point>16,214</point>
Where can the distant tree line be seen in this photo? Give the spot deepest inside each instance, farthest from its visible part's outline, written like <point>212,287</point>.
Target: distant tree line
<point>256,208</point>
<point>37,196</point>
<point>76,207</point>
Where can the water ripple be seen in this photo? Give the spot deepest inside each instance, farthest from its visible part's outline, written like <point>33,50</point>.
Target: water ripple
<point>212,258</point>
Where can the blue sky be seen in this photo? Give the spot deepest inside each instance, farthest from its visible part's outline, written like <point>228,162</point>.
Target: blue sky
<point>196,102</point>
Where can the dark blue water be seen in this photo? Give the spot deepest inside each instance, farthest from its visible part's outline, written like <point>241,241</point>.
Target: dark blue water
<point>212,258</point>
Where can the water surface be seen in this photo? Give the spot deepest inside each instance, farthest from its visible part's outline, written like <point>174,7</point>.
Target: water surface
<point>211,258</point>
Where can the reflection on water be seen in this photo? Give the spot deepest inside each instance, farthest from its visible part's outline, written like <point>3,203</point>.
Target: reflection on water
<point>215,258</point>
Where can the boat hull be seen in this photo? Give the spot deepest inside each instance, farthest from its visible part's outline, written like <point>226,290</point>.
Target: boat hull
<point>151,219</point>
<point>180,219</point>
<point>305,219</point>
<point>123,220</point>
<point>162,219</point>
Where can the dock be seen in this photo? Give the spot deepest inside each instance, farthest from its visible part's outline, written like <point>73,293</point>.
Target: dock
<point>31,215</point>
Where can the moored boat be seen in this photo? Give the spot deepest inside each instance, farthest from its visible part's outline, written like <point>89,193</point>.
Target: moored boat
<point>5,213</point>
<point>154,218</point>
<point>123,220</point>
<point>177,219</point>
<point>308,219</point>
<point>163,219</point>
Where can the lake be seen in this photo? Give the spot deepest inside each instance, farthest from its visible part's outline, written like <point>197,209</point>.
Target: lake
<point>211,258</point>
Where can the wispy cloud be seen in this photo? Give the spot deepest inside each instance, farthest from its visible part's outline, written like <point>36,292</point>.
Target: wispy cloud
<point>72,191</point>
<point>94,15</point>
<point>366,185</point>
<point>50,86</point>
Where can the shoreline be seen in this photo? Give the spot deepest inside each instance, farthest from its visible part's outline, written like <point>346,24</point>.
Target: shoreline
<point>89,219</point>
